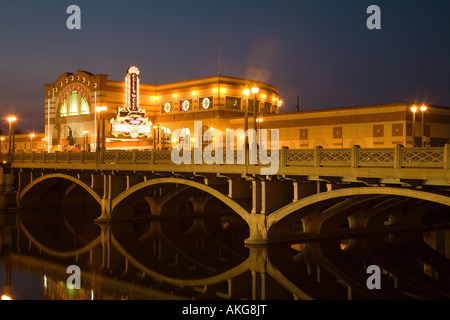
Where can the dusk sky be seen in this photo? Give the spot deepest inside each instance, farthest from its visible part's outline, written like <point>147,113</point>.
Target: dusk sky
<point>321,50</point>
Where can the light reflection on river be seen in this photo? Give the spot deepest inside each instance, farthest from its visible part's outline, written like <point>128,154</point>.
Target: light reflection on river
<point>204,257</point>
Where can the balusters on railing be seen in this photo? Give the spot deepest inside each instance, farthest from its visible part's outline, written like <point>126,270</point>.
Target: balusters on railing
<point>446,156</point>
<point>397,157</point>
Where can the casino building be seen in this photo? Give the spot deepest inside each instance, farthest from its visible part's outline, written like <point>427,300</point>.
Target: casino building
<point>88,111</point>
<point>101,113</point>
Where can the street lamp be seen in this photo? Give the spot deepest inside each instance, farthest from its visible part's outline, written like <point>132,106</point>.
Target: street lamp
<point>414,109</point>
<point>31,142</point>
<point>11,134</point>
<point>423,109</point>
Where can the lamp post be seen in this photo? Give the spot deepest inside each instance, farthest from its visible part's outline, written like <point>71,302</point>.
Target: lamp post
<point>31,142</point>
<point>1,144</point>
<point>414,109</point>
<point>260,120</point>
<point>85,139</point>
<point>255,90</point>
<point>246,93</point>
<point>103,129</point>
<point>101,117</point>
<point>11,134</point>
<point>98,110</point>
<point>156,134</point>
<point>423,109</point>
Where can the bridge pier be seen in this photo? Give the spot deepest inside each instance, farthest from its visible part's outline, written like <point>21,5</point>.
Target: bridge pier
<point>258,229</point>
<point>7,195</point>
<point>257,263</point>
<point>106,200</point>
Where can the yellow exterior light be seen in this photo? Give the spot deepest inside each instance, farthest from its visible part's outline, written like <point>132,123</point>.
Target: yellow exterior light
<point>174,95</point>
<point>423,108</point>
<point>255,90</point>
<point>414,109</point>
<point>264,96</point>
<point>11,119</point>
<point>192,139</point>
<point>214,90</point>
<point>194,93</point>
<point>223,90</point>
<point>32,135</point>
<point>246,92</point>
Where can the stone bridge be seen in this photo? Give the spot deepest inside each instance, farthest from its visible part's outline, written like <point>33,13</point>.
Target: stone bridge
<point>313,192</point>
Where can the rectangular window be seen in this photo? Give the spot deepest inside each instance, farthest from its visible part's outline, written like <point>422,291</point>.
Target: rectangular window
<point>397,129</point>
<point>378,130</point>
<point>337,132</point>
<point>267,107</point>
<point>251,102</point>
<point>233,103</point>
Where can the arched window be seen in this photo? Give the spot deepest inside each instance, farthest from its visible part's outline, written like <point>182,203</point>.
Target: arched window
<point>74,104</point>
<point>73,109</point>
<point>63,110</point>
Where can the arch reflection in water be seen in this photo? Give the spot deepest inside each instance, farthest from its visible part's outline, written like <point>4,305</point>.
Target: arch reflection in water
<point>189,256</point>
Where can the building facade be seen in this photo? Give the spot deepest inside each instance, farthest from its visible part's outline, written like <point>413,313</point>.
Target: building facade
<point>90,112</point>
<point>373,126</point>
<point>131,115</point>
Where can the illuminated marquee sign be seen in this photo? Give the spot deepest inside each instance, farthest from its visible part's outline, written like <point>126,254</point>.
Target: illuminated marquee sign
<point>131,120</point>
<point>132,88</point>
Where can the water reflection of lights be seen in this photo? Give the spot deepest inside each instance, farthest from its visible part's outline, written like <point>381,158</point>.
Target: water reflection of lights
<point>151,254</point>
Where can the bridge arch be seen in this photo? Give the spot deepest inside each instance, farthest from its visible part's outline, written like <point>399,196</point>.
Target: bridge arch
<point>40,185</point>
<point>324,200</point>
<point>184,182</point>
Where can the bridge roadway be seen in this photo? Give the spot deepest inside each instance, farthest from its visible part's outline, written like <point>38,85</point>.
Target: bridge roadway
<point>317,187</point>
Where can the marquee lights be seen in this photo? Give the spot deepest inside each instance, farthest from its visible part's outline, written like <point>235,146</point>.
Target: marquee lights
<point>206,103</point>
<point>131,119</point>
<point>72,87</point>
<point>167,107</point>
<point>185,105</point>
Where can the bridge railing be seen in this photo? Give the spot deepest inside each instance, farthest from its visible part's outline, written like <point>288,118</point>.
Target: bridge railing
<point>397,157</point>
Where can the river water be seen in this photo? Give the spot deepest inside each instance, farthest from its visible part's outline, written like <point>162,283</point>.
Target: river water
<point>204,257</point>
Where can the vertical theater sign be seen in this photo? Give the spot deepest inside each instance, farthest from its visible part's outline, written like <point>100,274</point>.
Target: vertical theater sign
<point>131,120</point>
